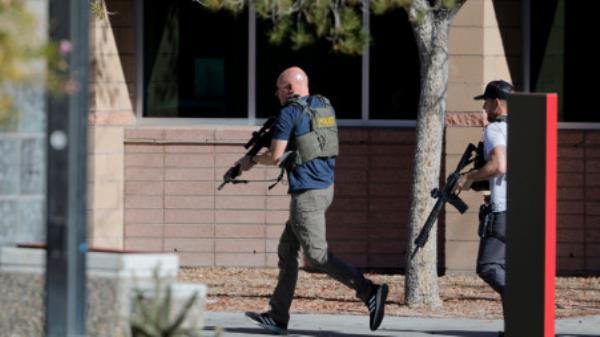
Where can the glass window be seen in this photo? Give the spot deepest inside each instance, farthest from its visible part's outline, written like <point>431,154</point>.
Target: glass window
<point>394,67</point>
<point>561,57</point>
<point>195,61</point>
<point>581,67</point>
<point>337,77</point>
<point>547,51</point>
<point>195,64</point>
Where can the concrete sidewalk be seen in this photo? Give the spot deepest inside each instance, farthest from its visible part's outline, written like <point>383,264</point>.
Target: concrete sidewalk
<point>305,325</point>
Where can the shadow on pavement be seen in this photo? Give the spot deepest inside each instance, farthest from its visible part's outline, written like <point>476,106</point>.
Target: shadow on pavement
<point>293,332</point>
<point>462,333</point>
<point>457,333</point>
<point>326,333</point>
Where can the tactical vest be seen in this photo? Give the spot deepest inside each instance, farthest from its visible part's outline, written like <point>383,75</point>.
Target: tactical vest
<point>502,118</point>
<point>322,139</point>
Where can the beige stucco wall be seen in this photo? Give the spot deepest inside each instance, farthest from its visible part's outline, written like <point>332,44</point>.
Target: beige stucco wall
<point>479,53</point>
<point>112,88</point>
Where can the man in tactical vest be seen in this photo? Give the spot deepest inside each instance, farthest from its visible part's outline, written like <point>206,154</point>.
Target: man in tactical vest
<point>306,129</point>
<point>491,260</point>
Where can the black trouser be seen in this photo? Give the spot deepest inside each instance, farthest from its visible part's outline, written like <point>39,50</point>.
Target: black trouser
<point>491,260</point>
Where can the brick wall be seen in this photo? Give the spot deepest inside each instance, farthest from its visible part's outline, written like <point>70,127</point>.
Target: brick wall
<point>367,221</point>
<point>171,201</point>
<point>578,246</point>
<point>460,231</point>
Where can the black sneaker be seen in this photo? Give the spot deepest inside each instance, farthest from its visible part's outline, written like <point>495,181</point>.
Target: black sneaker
<point>376,305</point>
<point>266,322</point>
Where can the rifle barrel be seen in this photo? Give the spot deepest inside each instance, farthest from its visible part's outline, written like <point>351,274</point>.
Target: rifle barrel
<point>424,233</point>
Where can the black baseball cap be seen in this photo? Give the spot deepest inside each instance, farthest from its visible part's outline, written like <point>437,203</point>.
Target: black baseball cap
<point>496,89</point>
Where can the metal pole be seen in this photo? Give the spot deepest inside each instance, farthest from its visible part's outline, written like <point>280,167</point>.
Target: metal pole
<point>67,176</point>
<point>526,44</point>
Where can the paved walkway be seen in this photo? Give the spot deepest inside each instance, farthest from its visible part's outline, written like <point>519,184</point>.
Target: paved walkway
<point>303,325</point>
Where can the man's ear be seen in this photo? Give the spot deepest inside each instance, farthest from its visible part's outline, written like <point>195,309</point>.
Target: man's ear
<point>502,103</point>
<point>498,103</point>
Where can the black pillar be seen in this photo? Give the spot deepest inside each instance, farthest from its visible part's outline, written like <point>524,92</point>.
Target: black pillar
<point>531,218</point>
<point>67,175</point>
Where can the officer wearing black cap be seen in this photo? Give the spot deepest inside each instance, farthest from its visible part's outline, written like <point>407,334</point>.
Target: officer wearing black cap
<point>491,259</point>
<point>496,89</point>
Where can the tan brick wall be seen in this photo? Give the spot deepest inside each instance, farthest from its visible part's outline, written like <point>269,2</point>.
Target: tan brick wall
<point>111,108</point>
<point>171,201</point>
<point>367,221</point>
<point>112,65</point>
<point>483,46</point>
<point>466,62</point>
<point>460,229</point>
<point>105,188</point>
<point>578,246</point>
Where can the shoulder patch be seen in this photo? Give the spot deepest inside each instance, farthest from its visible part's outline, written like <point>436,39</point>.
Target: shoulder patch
<point>326,121</point>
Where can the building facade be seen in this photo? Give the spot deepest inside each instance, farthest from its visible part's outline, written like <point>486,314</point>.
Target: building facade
<point>176,91</point>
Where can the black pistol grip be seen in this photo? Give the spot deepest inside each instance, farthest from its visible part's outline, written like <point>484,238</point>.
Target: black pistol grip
<point>458,203</point>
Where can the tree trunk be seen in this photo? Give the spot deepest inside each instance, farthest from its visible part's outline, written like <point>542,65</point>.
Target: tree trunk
<point>432,39</point>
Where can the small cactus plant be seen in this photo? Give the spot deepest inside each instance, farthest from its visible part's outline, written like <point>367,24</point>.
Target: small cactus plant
<point>151,316</point>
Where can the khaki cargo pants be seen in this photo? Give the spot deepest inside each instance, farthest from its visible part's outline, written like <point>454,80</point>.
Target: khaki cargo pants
<point>306,228</point>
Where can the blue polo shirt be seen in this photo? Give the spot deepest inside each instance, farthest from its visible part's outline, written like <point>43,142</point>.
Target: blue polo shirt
<point>314,174</point>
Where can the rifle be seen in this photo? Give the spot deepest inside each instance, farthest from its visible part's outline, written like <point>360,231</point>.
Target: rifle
<point>446,195</point>
<point>479,162</point>
<point>259,139</point>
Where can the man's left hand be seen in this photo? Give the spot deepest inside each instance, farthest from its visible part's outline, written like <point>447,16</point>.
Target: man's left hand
<point>246,163</point>
<point>462,184</point>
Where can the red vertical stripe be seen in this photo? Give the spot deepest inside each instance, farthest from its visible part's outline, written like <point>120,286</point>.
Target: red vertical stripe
<point>550,259</point>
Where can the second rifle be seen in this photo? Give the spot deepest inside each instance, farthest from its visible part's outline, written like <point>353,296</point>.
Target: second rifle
<point>445,195</point>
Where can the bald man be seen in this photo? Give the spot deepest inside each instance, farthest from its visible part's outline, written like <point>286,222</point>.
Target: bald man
<point>307,129</point>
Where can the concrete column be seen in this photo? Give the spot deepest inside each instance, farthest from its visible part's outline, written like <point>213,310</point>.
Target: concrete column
<point>483,43</point>
<point>112,97</point>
